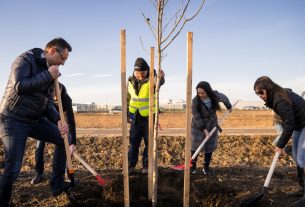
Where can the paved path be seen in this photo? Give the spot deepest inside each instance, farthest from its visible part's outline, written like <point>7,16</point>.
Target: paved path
<point>176,131</point>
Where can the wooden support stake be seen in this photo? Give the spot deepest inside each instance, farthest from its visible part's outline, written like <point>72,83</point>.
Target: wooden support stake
<point>124,118</point>
<point>151,158</point>
<point>186,194</point>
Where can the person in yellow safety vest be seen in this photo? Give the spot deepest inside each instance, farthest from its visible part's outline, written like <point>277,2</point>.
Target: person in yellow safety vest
<point>138,112</point>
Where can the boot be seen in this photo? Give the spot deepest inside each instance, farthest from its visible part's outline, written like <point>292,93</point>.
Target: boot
<point>206,165</point>
<point>194,163</point>
<point>300,191</point>
<point>37,178</point>
<point>206,169</point>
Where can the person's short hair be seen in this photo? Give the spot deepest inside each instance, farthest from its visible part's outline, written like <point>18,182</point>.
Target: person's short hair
<point>59,43</point>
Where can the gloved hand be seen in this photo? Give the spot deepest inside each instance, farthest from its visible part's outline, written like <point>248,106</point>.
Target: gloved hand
<point>130,117</point>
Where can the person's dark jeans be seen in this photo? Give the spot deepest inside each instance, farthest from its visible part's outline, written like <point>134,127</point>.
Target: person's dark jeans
<point>14,135</point>
<point>39,154</point>
<point>138,131</point>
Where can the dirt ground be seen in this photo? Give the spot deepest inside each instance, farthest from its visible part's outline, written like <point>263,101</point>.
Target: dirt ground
<point>239,166</point>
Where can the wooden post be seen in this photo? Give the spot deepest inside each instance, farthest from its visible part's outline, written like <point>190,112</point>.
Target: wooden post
<point>124,118</point>
<point>151,158</point>
<point>186,195</point>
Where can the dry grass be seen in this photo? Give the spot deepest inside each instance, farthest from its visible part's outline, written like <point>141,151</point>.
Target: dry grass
<point>237,119</point>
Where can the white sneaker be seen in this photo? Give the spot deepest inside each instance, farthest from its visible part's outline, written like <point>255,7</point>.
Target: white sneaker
<point>206,171</point>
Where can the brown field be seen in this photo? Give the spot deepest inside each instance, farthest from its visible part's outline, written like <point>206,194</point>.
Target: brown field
<point>237,119</point>
<point>240,165</point>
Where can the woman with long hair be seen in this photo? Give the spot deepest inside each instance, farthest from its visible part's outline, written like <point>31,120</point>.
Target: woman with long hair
<point>291,109</point>
<point>204,107</point>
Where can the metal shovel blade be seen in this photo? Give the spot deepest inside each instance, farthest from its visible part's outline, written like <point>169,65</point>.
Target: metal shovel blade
<point>101,181</point>
<point>178,167</point>
<point>253,199</point>
<point>181,167</point>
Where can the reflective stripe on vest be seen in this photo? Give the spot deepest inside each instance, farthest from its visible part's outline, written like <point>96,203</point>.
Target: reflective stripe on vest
<point>139,102</point>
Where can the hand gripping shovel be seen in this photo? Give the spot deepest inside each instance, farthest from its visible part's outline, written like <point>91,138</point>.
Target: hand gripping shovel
<point>253,199</point>
<point>70,170</point>
<point>181,167</point>
<point>99,179</point>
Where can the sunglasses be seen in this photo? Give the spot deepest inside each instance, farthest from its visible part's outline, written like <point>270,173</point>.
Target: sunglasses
<point>260,92</point>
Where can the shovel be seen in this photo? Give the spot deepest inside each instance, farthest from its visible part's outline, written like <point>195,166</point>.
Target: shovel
<point>253,199</point>
<point>70,170</point>
<point>99,179</point>
<point>182,166</point>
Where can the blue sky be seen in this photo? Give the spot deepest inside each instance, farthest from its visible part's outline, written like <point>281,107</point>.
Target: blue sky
<point>235,42</point>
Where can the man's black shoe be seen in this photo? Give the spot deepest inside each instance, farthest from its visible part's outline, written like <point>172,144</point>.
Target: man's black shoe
<point>66,187</point>
<point>37,178</point>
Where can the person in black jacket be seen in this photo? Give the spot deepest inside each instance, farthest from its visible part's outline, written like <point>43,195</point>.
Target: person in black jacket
<point>27,101</point>
<point>291,109</point>
<point>69,118</point>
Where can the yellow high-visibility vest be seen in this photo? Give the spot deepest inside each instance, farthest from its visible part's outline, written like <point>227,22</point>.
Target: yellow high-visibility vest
<point>139,102</point>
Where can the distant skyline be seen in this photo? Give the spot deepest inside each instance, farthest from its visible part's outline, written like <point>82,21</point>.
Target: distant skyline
<point>235,42</point>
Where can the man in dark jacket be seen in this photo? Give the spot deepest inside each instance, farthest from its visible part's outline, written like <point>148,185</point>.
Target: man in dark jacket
<point>26,102</point>
<point>69,118</point>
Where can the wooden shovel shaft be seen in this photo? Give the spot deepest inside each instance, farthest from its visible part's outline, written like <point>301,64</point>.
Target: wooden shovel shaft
<point>62,117</point>
<point>76,155</point>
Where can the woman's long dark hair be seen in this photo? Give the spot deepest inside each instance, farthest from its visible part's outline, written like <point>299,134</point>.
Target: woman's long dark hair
<point>208,89</point>
<point>271,88</point>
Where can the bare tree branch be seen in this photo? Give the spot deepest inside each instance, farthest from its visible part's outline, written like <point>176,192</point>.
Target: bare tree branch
<point>182,26</point>
<point>189,19</point>
<point>147,52</point>
<point>147,20</point>
<point>171,19</point>
<point>177,23</point>
<point>154,3</point>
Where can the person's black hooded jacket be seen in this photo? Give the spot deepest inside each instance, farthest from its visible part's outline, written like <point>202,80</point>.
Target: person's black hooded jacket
<point>292,115</point>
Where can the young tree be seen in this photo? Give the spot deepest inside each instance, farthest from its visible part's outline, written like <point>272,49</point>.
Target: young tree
<point>165,34</point>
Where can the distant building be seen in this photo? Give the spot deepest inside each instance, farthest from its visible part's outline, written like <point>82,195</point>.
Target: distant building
<point>93,108</point>
<point>84,107</point>
<point>251,105</point>
<point>171,106</point>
